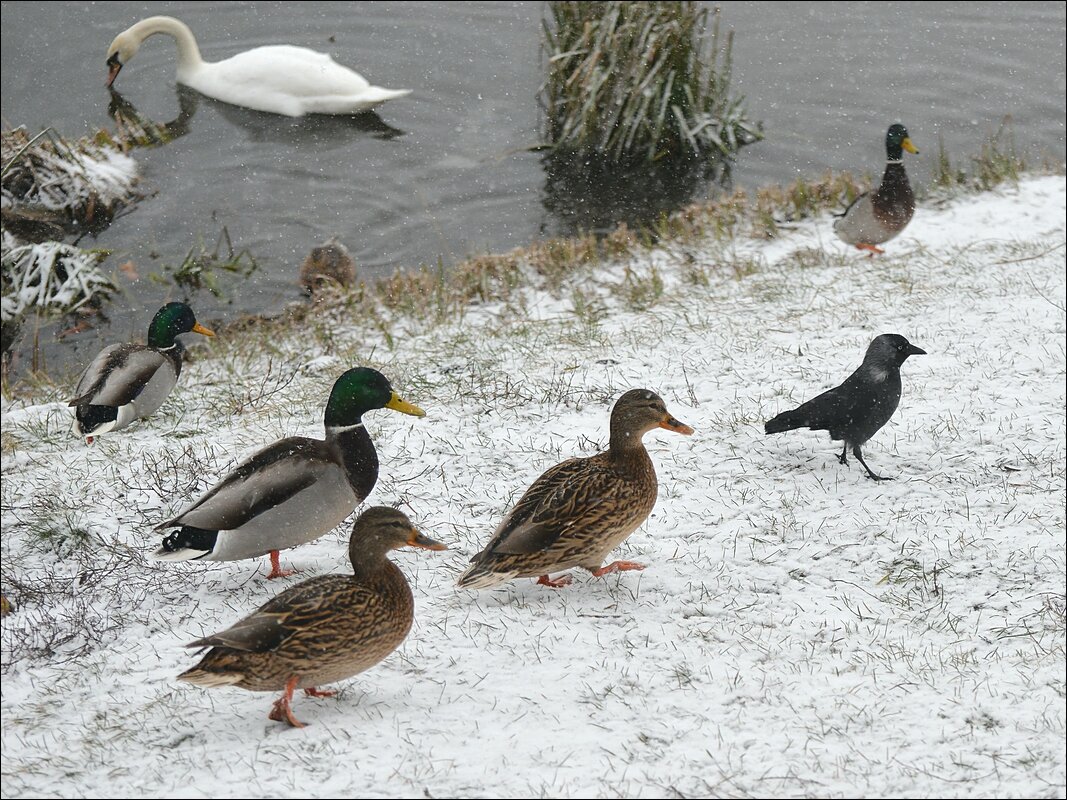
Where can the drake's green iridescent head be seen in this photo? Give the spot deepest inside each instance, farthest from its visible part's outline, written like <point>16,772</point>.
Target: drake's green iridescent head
<point>360,390</point>
<point>170,321</point>
<point>895,139</point>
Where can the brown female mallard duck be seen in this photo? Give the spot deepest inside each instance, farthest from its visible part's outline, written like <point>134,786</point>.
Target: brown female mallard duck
<point>328,264</point>
<point>322,630</point>
<point>128,382</point>
<point>292,491</point>
<point>581,509</point>
<point>878,216</point>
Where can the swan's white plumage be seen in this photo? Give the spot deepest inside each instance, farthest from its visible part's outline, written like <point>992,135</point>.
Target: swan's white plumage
<point>281,79</point>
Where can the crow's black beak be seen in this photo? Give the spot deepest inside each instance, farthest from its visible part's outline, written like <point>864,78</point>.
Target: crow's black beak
<point>915,351</point>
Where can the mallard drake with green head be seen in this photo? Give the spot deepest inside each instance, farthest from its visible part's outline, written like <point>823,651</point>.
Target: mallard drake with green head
<point>325,629</point>
<point>878,216</point>
<point>580,510</point>
<point>127,382</point>
<point>292,491</point>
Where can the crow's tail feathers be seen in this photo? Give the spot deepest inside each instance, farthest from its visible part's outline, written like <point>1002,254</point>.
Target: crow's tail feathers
<point>786,421</point>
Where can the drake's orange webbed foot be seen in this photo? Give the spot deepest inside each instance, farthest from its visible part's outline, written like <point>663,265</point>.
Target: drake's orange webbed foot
<point>276,570</point>
<point>870,248</point>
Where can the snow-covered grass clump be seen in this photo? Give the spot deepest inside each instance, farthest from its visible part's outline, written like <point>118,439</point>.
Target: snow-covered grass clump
<point>51,277</point>
<point>82,178</point>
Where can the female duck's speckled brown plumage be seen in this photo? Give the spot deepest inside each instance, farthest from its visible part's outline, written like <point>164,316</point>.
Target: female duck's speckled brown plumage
<point>329,263</point>
<point>580,510</point>
<point>878,216</point>
<point>324,629</point>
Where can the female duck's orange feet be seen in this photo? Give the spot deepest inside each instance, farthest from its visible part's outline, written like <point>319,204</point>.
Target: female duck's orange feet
<point>870,248</point>
<point>313,692</point>
<point>276,570</point>
<point>282,711</point>
<point>558,583</point>
<point>618,566</point>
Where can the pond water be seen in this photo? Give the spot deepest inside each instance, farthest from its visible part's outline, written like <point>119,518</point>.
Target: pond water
<point>445,172</point>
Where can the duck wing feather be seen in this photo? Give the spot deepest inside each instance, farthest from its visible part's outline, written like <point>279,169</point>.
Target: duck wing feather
<point>270,477</point>
<point>117,375</point>
<point>572,495</point>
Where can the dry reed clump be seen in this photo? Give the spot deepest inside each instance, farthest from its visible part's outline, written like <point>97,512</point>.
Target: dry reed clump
<point>488,277</point>
<point>996,162</point>
<point>633,82</point>
<point>555,259</point>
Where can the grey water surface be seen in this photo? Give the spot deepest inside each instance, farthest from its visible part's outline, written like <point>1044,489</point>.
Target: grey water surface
<point>447,171</point>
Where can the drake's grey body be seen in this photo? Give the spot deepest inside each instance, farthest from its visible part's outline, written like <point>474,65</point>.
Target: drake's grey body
<point>132,379</point>
<point>289,493</point>
<point>878,216</point>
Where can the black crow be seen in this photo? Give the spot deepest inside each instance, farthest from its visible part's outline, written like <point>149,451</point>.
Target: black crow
<point>855,410</point>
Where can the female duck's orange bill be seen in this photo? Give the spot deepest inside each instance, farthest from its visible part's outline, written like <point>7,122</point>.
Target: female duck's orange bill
<point>418,540</point>
<point>671,424</point>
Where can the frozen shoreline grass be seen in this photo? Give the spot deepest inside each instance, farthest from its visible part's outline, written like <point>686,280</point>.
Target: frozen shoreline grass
<point>800,630</point>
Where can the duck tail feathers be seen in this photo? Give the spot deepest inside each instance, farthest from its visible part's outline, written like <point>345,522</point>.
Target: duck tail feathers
<point>185,554</point>
<point>209,679</point>
<point>477,576</point>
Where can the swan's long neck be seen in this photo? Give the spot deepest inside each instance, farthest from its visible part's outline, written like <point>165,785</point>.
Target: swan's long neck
<point>188,53</point>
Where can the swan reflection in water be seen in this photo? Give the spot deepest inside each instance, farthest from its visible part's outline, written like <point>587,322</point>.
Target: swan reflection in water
<point>138,130</point>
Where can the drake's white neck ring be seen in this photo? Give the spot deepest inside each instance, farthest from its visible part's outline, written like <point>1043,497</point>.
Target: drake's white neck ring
<point>335,429</point>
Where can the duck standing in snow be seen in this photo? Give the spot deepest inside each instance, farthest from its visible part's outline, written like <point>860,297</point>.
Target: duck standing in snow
<point>325,629</point>
<point>280,79</point>
<point>877,216</point>
<point>581,509</point>
<point>292,491</point>
<point>127,382</point>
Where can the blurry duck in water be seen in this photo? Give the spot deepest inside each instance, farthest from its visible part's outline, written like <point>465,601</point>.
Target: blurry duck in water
<point>328,264</point>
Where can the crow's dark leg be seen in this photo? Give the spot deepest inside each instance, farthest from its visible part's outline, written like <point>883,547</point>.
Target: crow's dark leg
<point>856,452</point>
<point>843,458</point>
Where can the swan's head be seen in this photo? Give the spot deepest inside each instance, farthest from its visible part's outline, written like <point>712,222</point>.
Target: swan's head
<point>122,49</point>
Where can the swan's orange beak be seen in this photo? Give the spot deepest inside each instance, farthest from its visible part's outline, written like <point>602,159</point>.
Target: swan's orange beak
<point>114,66</point>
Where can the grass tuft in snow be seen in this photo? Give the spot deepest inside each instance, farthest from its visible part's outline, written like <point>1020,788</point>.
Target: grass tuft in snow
<point>997,162</point>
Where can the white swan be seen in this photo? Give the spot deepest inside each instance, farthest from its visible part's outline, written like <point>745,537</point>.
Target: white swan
<point>281,79</point>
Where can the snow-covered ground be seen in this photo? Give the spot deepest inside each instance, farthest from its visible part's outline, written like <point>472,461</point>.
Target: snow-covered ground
<point>800,630</point>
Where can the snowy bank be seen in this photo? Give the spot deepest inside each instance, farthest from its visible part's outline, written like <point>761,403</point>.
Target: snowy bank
<point>800,630</point>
